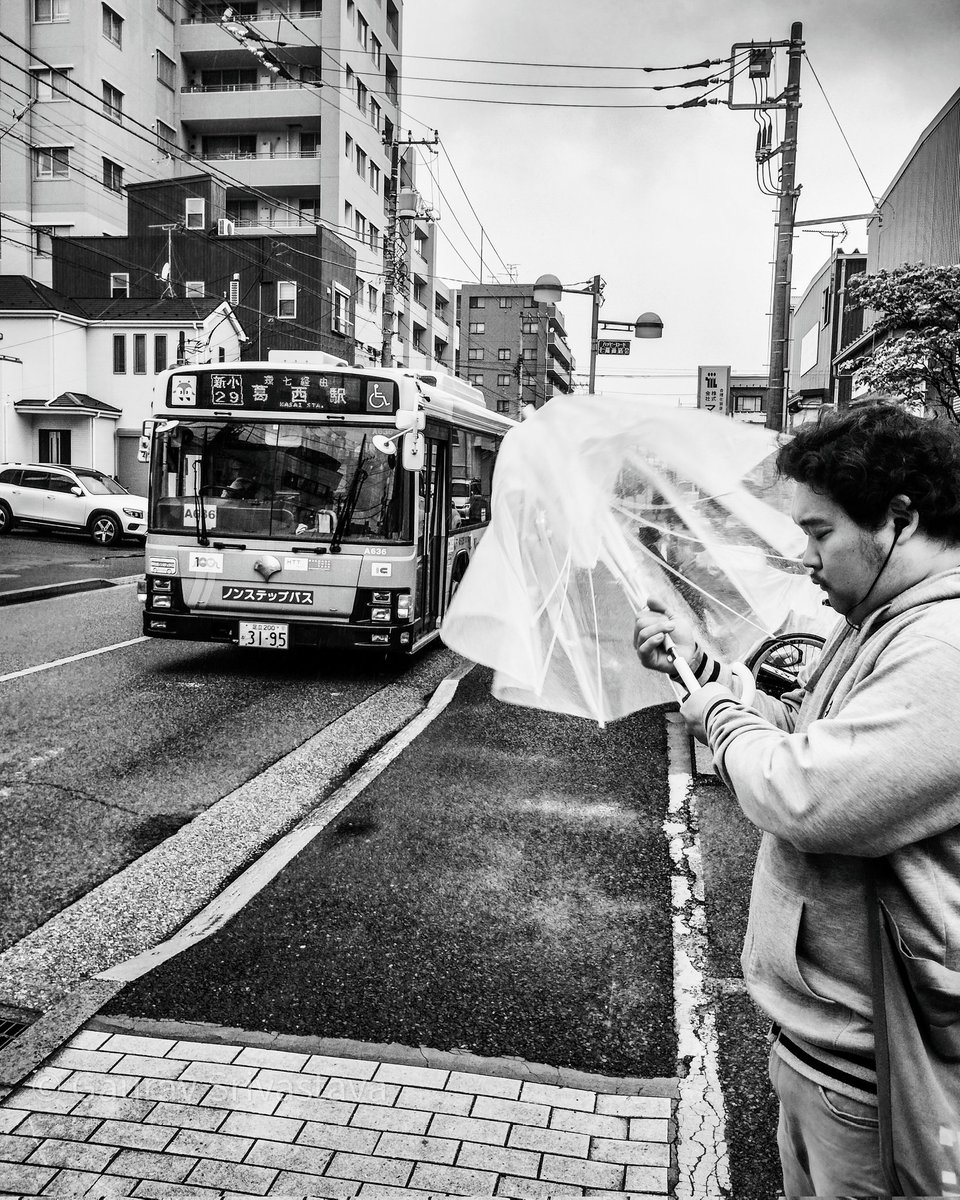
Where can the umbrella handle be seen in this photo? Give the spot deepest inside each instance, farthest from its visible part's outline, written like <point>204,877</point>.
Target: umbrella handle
<point>681,666</point>
<point>748,686</point>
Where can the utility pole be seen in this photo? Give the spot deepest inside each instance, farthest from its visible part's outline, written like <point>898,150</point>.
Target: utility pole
<point>783,263</point>
<point>395,280</point>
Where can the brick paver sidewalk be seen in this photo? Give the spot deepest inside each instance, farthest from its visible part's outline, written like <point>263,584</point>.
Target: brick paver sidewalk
<point>115,1114</point>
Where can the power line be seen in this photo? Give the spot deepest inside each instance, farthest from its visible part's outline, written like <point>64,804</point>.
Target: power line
<point>870,191</point>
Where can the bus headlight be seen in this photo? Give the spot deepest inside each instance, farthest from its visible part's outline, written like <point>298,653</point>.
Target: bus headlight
<point>380,614</point>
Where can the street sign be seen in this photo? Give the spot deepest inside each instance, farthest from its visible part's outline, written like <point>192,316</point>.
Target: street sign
<point>610,347</point>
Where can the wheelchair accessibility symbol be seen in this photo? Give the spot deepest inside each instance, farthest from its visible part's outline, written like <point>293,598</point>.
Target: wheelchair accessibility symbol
<point>377,401</point>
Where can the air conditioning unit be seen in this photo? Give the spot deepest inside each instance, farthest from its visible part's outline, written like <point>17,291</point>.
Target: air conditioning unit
<point>224,227</point>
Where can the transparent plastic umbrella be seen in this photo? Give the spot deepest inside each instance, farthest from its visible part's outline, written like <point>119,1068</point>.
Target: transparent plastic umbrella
<point>600,502</point>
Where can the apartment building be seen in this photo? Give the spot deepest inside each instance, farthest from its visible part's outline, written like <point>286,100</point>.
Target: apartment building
<point>289,107</point>
<point>512,348</point>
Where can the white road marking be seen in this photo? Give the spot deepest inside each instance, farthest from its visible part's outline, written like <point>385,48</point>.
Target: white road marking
<point>701,1116</point>
<point>255,878</point>
<point>61,662</point>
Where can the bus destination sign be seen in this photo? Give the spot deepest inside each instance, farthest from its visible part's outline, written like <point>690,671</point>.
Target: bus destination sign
<point>283,391</point>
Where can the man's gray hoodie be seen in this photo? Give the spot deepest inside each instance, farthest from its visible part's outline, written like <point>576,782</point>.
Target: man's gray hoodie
<point>862,761</point>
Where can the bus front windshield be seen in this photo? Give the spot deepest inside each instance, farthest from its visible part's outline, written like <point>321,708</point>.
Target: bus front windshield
<point>309,481</point>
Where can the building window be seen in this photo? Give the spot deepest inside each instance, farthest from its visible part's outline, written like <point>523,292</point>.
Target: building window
<point>341,310</point>
<point>506,302</point>
<point>195,212</point>
<point>477,302</point>
<point>166,139</point>
<point>826,305</point>
<point>376,114</point>
<point>139,354</point>
<point>361,96</point>
<point>474,354</point>
<point>376,49</point>
<point>752,404</point>
<point>363,31</point>
<point>348,215</point>
<point>374,238</point>
<point>361,163</point>
<point>360,226</point>
<point>194,289</point>
<point>112,102</point>
<point>373,297</point>
<point>503,354</point>
<point>375,177</point>
<point>528,327</point>
<point>503,381</point>
<point>119,284</point>
<point>112,25</point>
<point>476,379</point>
<point>159,352</point>
<point>112,176</point>
<point>477,327</point>
<point>48,84</point>
<point>166,70</point>
<point>119,354</point>
<point>286,300</point>
<point>502,405</point>
<point>45,11</point>
<point>52,162</point>
<point>309,145</point>
<point>307,208</point>
<point>54,446</point>
<point>348,146</point>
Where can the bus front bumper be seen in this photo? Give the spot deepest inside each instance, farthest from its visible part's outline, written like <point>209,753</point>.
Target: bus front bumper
<point>301,634</point>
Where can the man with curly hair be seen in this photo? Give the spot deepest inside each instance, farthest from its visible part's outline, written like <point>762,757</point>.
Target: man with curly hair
<point>861,762</point>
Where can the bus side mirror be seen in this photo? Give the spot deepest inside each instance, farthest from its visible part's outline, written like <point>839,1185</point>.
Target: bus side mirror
<point>146,436</point>
<point>413,444</point>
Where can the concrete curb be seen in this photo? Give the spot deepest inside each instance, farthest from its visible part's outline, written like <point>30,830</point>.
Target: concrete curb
<point>46,591</point>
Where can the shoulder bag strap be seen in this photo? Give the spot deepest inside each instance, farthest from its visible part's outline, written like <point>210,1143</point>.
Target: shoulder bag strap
<point>880,1032</point>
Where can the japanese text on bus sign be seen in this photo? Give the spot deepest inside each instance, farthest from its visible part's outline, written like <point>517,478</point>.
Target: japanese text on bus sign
<point>284,391</point>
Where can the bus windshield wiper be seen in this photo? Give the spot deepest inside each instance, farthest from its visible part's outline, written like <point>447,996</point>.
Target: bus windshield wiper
<point>202,539</point>
<point>350,501</point>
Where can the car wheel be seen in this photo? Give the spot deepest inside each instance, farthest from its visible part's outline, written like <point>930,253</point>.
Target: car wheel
<point>6,518</point>
<point>105,530</point>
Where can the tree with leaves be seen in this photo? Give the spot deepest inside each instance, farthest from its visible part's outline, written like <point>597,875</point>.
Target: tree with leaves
<point>916,355</point>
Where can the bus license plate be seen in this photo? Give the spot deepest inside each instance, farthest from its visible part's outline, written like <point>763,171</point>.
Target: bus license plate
<point>265,635</point>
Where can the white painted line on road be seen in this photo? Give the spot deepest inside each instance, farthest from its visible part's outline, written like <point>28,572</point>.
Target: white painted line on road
<point>255,878</point>
<point>701,1117</point>
<point>61,662</point>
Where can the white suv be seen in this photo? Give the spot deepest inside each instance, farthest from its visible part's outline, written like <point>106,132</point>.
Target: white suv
<point>46,494</point>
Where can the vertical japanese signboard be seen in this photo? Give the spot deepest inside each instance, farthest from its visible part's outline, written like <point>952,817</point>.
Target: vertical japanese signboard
<point>713,389</point>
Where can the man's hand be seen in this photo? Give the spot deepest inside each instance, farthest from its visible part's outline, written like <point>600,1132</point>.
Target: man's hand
<point>699,704</point>
<point>652,624</point>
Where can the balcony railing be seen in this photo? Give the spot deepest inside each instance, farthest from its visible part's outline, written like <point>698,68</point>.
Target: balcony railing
<point>277,85</point>
<point>267,13</point>
<point>243,154</point>
<point>273,223</point>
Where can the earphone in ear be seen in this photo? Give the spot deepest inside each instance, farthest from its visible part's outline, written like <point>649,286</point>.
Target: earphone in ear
<point>900,522</point>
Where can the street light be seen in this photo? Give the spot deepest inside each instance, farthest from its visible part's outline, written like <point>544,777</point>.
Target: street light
<point>548,290</point>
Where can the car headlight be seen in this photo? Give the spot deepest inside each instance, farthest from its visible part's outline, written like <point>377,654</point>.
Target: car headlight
<point>134,512</point>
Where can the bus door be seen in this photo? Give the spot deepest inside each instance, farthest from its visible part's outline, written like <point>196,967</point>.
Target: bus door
<point>431,569</point>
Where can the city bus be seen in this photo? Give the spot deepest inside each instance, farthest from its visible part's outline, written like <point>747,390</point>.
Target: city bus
<point>301,502</point>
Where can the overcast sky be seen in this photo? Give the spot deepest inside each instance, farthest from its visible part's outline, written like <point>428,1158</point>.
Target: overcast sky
<point>663,204</point>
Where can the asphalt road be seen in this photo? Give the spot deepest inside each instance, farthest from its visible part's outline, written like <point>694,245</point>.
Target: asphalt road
<point>104,757</point>
<point>32,558</point>
<point>503,887</point>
